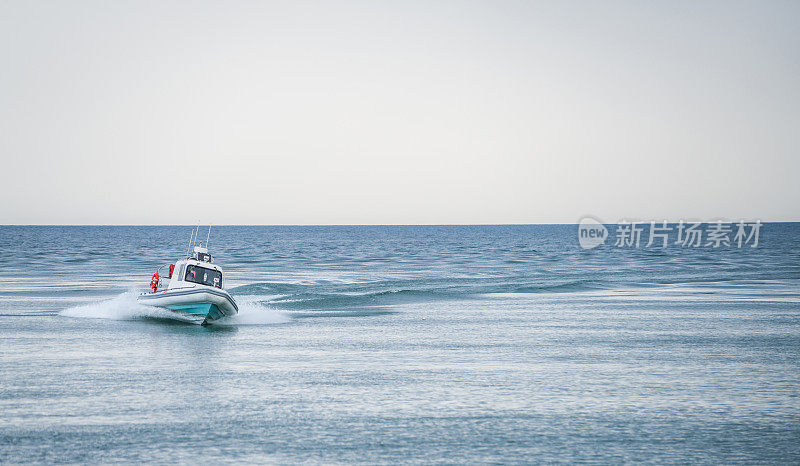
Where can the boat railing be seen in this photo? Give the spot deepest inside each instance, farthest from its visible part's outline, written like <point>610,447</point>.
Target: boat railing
<point>163,276</point>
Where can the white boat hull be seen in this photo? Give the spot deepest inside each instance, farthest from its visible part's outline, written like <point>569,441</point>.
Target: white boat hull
<point>201,305</point>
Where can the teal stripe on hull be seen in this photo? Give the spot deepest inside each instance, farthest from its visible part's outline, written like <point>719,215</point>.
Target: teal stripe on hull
<point>197,308</point>
<point>210,311</point>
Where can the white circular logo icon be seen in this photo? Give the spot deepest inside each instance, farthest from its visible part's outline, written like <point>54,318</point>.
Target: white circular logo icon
<point>591,233</point>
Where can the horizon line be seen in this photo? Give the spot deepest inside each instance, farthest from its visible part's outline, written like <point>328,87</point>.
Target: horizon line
<point>344,224</point>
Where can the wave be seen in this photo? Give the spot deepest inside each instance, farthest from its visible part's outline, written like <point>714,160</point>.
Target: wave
<point>126,307</point>
<point>564,287</point>
<point>380,296</point>
<point>326,296</point>
<point>121,307</point>
<point>253,312</point>
<point>371,299</point>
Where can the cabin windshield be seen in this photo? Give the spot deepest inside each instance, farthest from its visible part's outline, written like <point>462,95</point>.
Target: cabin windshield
<point>203,276</point>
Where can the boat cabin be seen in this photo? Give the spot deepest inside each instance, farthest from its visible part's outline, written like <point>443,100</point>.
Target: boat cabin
<point>196,270</point>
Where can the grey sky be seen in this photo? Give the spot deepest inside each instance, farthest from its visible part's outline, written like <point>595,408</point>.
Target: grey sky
<point>398,112</point>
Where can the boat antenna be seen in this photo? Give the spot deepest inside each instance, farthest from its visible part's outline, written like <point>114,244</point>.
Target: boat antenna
<point>208,236</point>
<point>196,235</point>
<point>189,251</point>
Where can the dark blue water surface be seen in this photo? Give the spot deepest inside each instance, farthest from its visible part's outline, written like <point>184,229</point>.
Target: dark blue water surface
<point>385,344</point>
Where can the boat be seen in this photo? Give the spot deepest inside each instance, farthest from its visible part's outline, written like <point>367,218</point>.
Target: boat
<point>191,288</point>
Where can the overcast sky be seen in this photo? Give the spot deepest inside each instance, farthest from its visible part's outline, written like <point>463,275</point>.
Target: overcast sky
<point>297,112</point>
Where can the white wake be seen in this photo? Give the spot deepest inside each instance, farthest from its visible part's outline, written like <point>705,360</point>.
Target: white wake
<point>252,312</point>
<point>126,307</point>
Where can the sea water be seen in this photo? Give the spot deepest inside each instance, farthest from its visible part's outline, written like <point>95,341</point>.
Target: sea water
<point>385,344</point>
